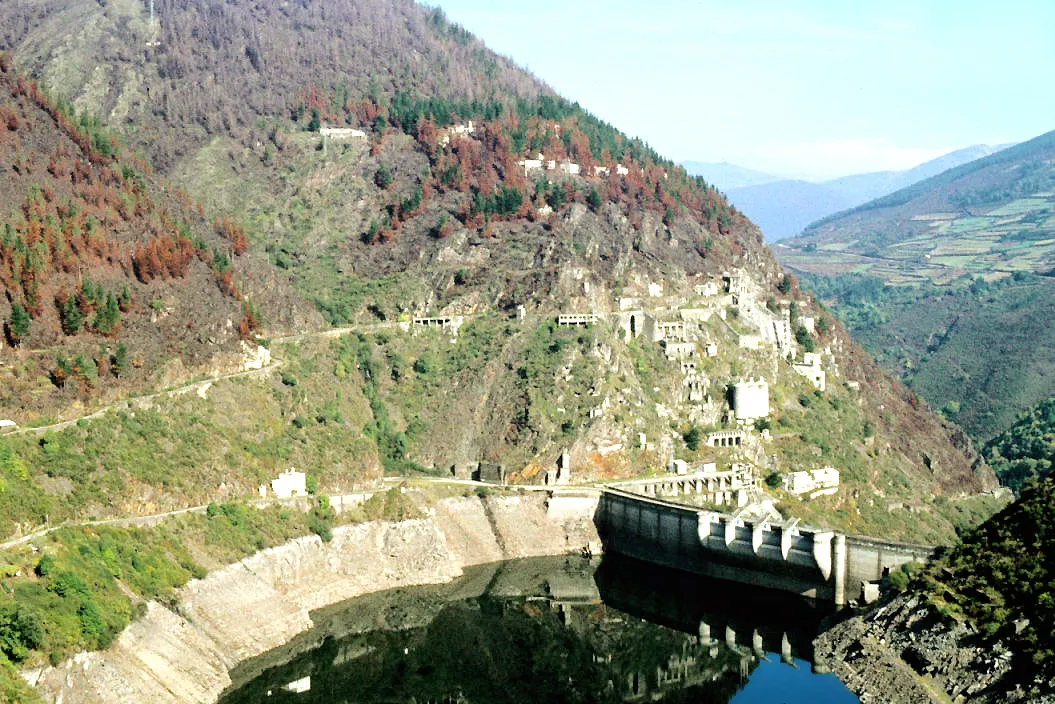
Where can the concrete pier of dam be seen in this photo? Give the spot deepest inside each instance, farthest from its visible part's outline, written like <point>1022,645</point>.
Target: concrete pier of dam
<point>789,556</point>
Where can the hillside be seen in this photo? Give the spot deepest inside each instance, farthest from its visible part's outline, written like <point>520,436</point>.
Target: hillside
<point>975,624</point>
<point>1025,452</point>
<point>981,233</point>
<point>989,217</point>
<point>980,352</point>
<point>434,202</point>
<point>111,281</point>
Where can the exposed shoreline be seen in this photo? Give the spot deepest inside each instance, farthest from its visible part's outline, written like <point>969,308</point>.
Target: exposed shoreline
<point>265,601</point>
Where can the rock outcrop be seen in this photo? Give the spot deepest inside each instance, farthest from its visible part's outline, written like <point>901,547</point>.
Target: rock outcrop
<point>263,602</point>
<point>903,651</point>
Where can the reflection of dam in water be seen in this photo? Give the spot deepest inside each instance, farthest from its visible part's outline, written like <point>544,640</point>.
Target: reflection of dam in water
<point>724,619</point>
<point>544,630</point>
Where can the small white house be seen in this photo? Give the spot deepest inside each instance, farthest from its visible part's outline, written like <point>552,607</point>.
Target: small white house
<point>621,170</point>
<point>7,425</point>
<point>601,171</point>
<point>289,483</point>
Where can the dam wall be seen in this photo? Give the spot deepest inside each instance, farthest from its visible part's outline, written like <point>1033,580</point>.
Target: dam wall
<point>812,562</point>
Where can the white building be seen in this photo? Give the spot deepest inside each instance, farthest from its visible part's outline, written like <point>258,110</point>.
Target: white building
<point>810,367</point>
<point>7,424</point>
<point>289,483</point>
<point>655,290</point>
<point>751,400</point>
<point>466,128</point>
<point>680,350</point>
<point>532,164</point>
<point>809,323</point>
<point>570,168</point>
<point>706,289</point>
<point>816,482</point>
<point>621,170</point>
<point>710,349</point>
<point>342,133</point>
<point>601,171</point>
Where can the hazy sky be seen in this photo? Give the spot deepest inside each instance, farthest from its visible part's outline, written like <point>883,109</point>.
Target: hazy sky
<point>803,87</point>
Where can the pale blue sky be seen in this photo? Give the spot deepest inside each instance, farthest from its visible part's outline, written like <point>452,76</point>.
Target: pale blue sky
<point>804,87</point>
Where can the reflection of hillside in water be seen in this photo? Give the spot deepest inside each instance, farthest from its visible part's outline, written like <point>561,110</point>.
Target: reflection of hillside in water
<point>539,631</point>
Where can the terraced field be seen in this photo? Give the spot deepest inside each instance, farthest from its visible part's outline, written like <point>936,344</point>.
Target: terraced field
<point>941,247</point>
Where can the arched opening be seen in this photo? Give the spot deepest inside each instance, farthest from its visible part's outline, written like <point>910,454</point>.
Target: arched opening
<point>633,326</point>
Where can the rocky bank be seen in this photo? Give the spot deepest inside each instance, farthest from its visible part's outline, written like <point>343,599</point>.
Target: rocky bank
<point>902,651</point>
<point>186,654</point>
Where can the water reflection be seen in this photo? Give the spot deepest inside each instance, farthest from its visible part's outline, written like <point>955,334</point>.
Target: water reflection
<point>555,630</point>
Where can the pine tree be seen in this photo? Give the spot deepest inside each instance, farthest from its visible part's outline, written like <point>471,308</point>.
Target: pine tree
<point>18,325</point>
<point>72,317</point>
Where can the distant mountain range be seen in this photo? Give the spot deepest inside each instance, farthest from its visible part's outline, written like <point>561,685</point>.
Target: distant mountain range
<point>726,176</point>
<point>785,207</point>
<point>950,282</point>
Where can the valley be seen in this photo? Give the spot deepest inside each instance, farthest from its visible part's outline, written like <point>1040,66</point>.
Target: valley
<point>346,245</point>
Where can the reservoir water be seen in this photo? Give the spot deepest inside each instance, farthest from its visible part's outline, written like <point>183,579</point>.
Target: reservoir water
<point>554,630</point>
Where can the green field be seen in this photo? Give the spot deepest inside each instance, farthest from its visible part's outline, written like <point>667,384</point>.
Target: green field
<point>1016,236</point>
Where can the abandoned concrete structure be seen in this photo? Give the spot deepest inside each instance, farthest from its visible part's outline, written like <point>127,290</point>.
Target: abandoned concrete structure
<point>810,367</point>
<point>708,288</point>
<point>696,388</point>
<point>731,487</point>
<point>680,350</point>
<point>449,324</point>
<point>726,438</point>
<point>490,472</point>
<point>580,319</point>
<point>342,133</point>
<point>561,473</point>
<point>816,482</point>
<point>751,400</point>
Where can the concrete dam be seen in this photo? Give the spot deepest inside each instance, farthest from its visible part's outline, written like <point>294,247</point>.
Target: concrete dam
<point>789,556</point>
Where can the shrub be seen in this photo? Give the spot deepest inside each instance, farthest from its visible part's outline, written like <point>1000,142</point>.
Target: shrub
<point>692,438</point>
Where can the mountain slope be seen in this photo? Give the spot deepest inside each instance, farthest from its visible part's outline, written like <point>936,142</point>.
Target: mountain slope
<point>861,188</point>
<point>967,321</point>
<point>1025,452</point>
<point>110,280</point>
<point>420,213</point>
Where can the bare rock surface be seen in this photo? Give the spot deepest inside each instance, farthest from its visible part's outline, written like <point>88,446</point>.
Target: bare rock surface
<point>266,600</point>
<point>903,651</point>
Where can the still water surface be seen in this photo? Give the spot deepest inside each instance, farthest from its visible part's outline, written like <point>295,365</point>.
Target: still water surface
<point>554,630</point>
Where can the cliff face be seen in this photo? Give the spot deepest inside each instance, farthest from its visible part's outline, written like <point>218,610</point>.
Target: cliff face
<point>239,612</point>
